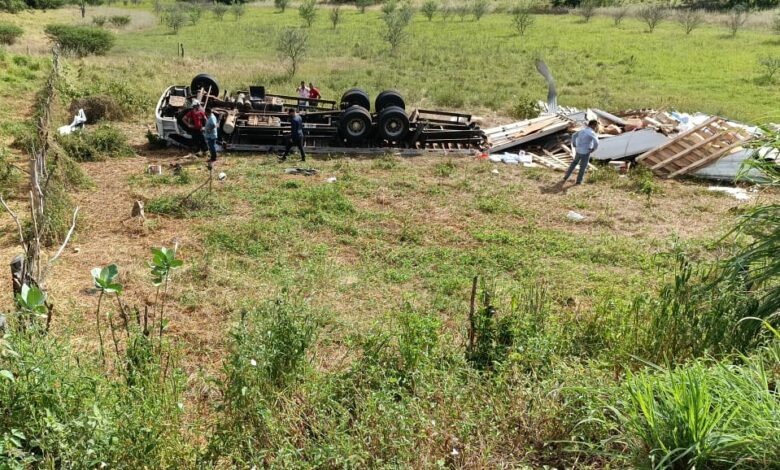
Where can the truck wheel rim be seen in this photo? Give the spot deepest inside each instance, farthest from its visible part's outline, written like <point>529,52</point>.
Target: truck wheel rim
<point>394,127</point>
<point>356,127</point>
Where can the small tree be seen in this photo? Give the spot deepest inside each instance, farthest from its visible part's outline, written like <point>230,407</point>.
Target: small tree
<point>174,18</point>
<point>388,7</point>
<point>281,4</point>
<point>736,19</point>
<point>395,29</point>
<point>522,19</point>
<point>770,65</point>
<point>446,11</point>
<point>480,8</point>
<point>308,12</point>
<point>652,15</point>
<point>429,8</point>
<point>335,16</point>
<point>587,9</point>
<point>619,14</point>
<point>690,19</point>
<point>238,10</point>
<point>291,47</point>
<point>219,10</point>
<point>363,4</point>
<point>462,11</point>
<point>194,12</point>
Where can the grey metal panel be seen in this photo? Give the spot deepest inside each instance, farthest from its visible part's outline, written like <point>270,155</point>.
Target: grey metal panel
<point>628,144</point>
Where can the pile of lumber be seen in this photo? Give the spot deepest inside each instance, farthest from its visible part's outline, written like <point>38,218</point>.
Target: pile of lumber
<point>704,144</point>
<point>503,137</point>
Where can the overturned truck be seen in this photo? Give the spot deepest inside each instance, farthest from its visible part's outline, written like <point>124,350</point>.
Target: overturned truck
<point>257,121</point>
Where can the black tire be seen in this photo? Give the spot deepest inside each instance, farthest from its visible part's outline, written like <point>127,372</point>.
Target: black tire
<point>393,124</point>
<point>388,98</point>
<point>355,97</point>
<point>204,81</point>
<point>355,124</point>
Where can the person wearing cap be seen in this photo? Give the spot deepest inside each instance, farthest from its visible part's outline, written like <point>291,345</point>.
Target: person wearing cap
<point>585,142</point>
<point>195,119</point>
<point>296,135</point>
<point>210,132</point>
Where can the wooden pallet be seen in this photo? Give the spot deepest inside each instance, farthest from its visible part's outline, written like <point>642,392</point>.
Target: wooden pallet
<point>695,148</point>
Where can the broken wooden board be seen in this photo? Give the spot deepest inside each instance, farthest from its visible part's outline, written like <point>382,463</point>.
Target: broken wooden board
<point>505,137</point>
<point>695,148</point>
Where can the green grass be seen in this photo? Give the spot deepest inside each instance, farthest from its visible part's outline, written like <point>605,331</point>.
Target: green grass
<point>477,64</point>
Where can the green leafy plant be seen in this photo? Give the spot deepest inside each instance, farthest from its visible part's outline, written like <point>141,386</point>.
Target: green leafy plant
<point>308,12</point>
<point>281,4</point>
<point>32,301</point>
<point>9,33</point>
<point>119,21</point>
<point>429,8</point>
<point>80,40</point>
<point>104,280</point>
<point>219,10</point>
<point>163,263</point>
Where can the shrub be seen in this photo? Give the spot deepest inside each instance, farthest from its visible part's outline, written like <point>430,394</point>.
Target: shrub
<point>238,10</point>
<point>363,4</point>
<point>308,12</point>
<point>619,14</point>
<point>174,17</point>
<point>335,16</point>
<point>281,4</point>
<point>690,19</point>
<point>97,108</point>
<point>736,19</point>
<point>219,10</point>
<point>119,21</point>
<point>429,8</point>
<point>770,65</point>
<point>96,145</point>
<point>9,33</point>
<point>480,8</point>
<point>99,21</point>
<point>194,12</point>
<point>81,40</point>
<point>522,19</point>
<point>652,15</point>
<point>291,46</point>
<point>525,108</point>
<point>587,9</point>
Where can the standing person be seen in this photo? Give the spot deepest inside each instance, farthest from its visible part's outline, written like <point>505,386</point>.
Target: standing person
<point>303,93</point>
<point>585,142</point>
<point>195,119</point>
<point>314,93</point>
<point>210,131</point>
<point>296,135</point>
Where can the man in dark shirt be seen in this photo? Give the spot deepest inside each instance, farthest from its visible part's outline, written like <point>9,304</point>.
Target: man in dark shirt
<point>296,135</point>
<point>196,120</point>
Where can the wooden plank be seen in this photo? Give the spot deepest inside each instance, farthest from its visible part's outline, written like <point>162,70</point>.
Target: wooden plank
<point>704,161</point>
<point>684,151</point>
<point>679,137</point>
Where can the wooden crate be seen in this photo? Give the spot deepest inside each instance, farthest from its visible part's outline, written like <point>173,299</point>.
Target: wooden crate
<point>695,148</point>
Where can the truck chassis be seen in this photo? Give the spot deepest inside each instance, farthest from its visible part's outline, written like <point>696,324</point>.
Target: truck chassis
<point>256,121</point>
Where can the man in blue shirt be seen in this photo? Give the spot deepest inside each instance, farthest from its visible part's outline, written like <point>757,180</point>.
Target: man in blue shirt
<point>585,142</point>
<point>296,135</point>
<point>210,132</point>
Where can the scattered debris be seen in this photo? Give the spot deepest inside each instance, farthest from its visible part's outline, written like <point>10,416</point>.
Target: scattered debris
<point>738,193</point>
<point>221,176</point>
<point>138,210</point>
<point>575,216</point>
<point>76,125</point>
<point>495,171</point>
<point>154,169</point>
<point>694,148</point>
<point>301,171</point>
<point>505,137</point>
<point>512,158</point>
<point>332,179</point>
<point>629,144</point>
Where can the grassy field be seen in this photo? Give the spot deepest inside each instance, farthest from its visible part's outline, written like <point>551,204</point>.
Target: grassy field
<point>326,325</point>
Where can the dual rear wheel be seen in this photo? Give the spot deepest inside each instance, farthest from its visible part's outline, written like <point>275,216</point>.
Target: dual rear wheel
<point>356,124</point>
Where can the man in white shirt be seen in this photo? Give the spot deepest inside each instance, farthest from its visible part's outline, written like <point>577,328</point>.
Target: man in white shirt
<point>303,93</point>
<point>585,142</point>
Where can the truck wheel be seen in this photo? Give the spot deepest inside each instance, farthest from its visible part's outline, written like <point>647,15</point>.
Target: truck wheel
<point>388,98</point>
<point>393,123</point>
<point>355,97</point>
<point>355,124</point>
<point>204,81</point>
